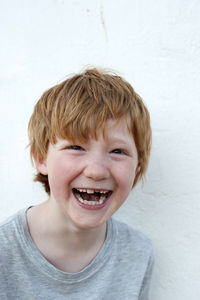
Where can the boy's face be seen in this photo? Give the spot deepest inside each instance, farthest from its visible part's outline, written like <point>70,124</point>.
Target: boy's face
<point>90,181</point>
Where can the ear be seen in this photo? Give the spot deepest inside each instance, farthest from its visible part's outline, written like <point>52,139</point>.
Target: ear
<point>138,168</point>
<point>40,164</point>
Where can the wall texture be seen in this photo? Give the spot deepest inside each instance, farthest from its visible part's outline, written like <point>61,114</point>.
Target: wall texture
<point>156,46</point>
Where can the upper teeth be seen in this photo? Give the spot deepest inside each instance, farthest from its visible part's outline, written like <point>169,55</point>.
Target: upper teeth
<point>90,191</point>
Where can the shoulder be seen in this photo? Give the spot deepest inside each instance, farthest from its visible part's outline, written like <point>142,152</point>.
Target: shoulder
<point>9,230</point>
<point>7,225</point>
<point>134,257</point>
<point>132,241</point>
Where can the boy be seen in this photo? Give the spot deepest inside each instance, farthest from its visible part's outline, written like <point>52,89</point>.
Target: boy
<point>90,139</point>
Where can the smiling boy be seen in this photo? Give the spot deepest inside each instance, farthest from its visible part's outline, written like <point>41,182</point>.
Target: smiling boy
<point>90,139</point>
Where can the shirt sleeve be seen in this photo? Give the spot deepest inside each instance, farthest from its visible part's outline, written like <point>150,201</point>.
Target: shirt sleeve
<point>144,292</point>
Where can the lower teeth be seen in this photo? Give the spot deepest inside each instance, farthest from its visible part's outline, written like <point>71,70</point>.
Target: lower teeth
<point>101,200</point>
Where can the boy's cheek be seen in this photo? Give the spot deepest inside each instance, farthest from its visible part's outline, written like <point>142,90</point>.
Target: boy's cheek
<point>61,174</point>
<point>128,170</point>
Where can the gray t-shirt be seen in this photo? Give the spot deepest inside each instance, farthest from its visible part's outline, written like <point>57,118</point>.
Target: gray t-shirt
<point>121,270</point>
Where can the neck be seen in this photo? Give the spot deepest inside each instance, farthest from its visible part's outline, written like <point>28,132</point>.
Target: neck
<point>51,231</point>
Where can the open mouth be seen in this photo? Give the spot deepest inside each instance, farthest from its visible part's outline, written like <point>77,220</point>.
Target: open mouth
<point>91,197</point>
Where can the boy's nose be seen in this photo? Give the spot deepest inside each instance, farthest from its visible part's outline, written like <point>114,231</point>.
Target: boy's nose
<point>96,170</point>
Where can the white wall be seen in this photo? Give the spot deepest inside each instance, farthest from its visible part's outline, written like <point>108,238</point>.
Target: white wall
<point>156,46</point>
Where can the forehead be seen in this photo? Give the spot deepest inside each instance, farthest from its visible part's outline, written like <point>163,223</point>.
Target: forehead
<point>113,130</point>
<point>94,129</point>
<point>116,127</point>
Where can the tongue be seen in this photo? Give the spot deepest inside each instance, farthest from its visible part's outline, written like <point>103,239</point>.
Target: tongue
<point>90,197</point>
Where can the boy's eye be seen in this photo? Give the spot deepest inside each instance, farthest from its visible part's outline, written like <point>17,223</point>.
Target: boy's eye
<point>75,147</point>
<point>118,151</point>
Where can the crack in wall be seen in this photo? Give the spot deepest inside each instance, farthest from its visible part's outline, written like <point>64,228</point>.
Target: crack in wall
<point>103,23</point>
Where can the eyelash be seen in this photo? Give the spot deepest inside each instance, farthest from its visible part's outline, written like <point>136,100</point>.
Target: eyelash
<point>79,148</point>
<point>74,147</point>
<point>118,151</point>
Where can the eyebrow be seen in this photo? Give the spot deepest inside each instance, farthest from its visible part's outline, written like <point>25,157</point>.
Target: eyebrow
<point>112,140</point>
<point>118,140</point>
<point>61,143</point>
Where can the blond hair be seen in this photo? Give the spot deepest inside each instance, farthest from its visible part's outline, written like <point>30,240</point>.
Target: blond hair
<point>76,108</point>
